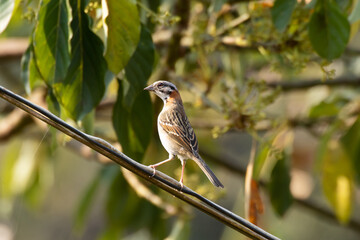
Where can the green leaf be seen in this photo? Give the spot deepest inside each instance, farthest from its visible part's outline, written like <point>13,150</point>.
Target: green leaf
<point>30,74</point>
<point>180,230</point>
<point>126,210</point>
<point>133,126</point>
<point>123,32</point>
<point>51,40</point>
<point>260,159</point>
<point>84,84</point>
<point>279,186</point>
<point>324,109</point>
<point>140,66</point>
<point>6,10</point>
<point>329,30</point>
<point>351,143</point>
<point>8,163</point>
<point>132,118</point>
<point>87,199</point>
<point>281,13</point>
<point>355,13</point>
<point>338,180</point>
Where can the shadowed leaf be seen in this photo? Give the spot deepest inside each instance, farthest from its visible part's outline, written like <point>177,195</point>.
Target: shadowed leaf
<point>281,13</point>
<point>329,30</point>
<point>84,84</point>
<point>279,186</point>
<point>51,41</point>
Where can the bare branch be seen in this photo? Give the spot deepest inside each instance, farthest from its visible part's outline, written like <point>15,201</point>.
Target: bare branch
<point>161,180</point>
<point>299,85</point>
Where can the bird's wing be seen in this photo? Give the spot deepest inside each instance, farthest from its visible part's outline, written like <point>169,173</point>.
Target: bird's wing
<point>177,125</point>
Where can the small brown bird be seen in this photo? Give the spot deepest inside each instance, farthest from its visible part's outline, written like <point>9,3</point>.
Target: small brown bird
<point>176,134</point>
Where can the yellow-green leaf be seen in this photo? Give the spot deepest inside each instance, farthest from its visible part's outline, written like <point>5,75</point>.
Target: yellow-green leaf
<point>122,25</point>
<point>338,180</point>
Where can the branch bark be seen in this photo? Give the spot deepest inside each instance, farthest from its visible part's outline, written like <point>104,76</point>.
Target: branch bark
<point>161,180</point>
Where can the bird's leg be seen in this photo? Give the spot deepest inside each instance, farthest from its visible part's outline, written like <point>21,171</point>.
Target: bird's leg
<point>183,162</point>
<point>171,157</point>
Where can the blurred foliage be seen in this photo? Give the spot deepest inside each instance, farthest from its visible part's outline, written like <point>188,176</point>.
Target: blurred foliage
<point>85,53</point>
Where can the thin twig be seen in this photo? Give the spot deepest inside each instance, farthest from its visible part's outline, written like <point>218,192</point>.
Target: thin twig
<point>160,179</point>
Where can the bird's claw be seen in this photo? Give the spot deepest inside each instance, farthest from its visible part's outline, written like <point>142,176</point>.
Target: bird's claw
<point>181,186</point>
<point>154,170</point>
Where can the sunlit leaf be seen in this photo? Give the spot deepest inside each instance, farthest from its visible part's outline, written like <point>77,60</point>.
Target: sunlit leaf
<point>279,186</point>
<point>351,143</point>
<point>338,180</point>
<point>6,10</point>
<point>51,41</point>
<point>122,26</point>
<point>281,13</point>
<point>84,84</point>
<point>329,30</point>
<point>284,139</point>
<point>355,13</point>
<point>260,159</point>
<point>7,168</point>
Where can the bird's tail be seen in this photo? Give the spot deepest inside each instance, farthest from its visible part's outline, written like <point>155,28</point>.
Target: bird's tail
<point>210,174</point>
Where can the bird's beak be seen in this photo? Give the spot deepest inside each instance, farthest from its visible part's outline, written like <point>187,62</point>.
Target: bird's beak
<point>149,88</point>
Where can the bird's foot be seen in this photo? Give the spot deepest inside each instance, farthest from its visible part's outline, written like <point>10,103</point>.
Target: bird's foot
<point>181,186</point>
<point>154,170</point>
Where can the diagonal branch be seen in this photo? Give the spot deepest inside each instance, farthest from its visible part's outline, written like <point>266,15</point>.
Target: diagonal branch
<point>161,180</point>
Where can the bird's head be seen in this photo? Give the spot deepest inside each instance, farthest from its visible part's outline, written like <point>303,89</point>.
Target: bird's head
<point>164,89</point>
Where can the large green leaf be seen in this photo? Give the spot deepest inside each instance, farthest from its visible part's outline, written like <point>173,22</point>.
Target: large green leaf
<point>338,180</point>
<point>84,84</point>
<point>132,117</point>
<point>281,13</point>
<point>6,9</point>
<point>329,30</point>
<point>351,144</point>
<point>51,40</point>
<point>140,66</point>
<point>123,32</point>
<point>279,186</point>
<point>133,126</point>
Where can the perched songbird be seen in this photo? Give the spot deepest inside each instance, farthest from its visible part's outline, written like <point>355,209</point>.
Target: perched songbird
<point>176,134</point>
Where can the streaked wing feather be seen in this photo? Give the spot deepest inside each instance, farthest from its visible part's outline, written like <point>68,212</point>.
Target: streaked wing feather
<point>178,126</point>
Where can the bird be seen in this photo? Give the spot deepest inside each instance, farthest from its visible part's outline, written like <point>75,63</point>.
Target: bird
<point>175,132</point>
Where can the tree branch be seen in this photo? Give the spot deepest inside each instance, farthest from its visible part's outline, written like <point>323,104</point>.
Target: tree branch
<point>299,85</point>
<point>161,180</point>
